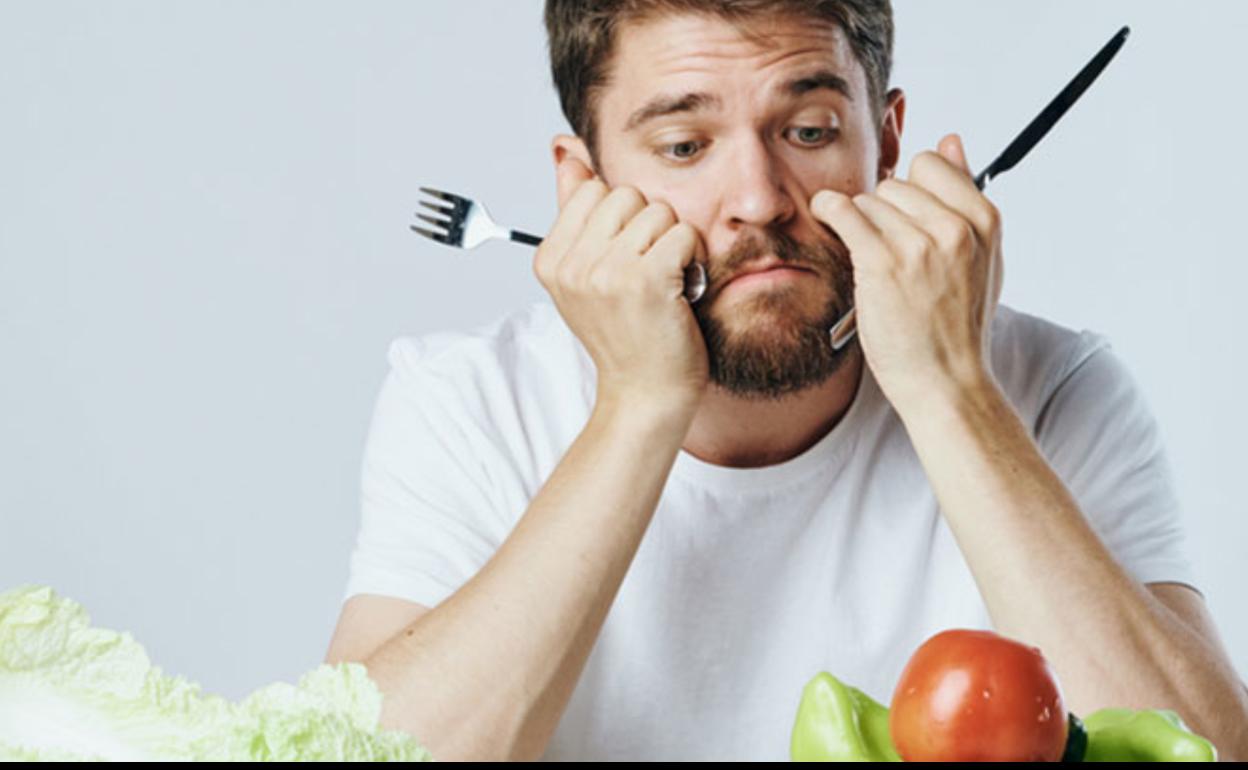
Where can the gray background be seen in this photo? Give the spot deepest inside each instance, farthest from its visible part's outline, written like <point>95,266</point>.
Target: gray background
<point>204,254</point>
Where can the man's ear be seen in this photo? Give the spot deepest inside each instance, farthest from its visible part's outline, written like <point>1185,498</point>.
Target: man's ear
<point>894,119</point>
<point>565,146</point>
<point>572,166</point>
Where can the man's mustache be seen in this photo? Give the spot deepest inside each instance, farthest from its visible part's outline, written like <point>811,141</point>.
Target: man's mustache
<point>828,257</point>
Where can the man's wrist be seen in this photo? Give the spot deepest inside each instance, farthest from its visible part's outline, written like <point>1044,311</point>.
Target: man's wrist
<point>950,400</point>
<point>666,414</point>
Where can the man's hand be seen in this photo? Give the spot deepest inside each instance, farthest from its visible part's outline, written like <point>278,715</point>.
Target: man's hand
<point>927,274</point>
<point>615,267</point>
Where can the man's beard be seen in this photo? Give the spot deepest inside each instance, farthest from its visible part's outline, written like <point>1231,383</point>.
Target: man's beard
<point>792,353</point>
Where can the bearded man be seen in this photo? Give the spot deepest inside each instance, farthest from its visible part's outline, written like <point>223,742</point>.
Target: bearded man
<point>624,526</point>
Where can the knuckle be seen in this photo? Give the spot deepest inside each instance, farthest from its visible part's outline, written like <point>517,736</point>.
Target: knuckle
<point>966,235</point>
<point>593,189</point>
<point>566,276</point>
<point>601,282</point>
<point>955,233</point>
<point>990,215</point>
<point>662,212</point>
<point>679,235</point>
<point>685,231</point>
<point>924,163</point>
<point>888,187</point>
<point>637,284</point>
<point>671,237</point>
<point>577,272</point>
<point>628,197</point>
<point>917,247</point>
<point>542,272</point>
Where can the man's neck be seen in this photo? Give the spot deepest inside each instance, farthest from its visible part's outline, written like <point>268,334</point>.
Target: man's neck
<point>738,433</point>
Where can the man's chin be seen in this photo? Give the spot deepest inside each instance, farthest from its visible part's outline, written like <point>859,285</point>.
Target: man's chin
<point>771,351</point>
<point>768,314</point>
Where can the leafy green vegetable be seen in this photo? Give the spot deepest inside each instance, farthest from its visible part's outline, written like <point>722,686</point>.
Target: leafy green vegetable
<point>72,692</point>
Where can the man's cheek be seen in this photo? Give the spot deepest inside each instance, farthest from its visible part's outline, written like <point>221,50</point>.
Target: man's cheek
<point>694,206</point>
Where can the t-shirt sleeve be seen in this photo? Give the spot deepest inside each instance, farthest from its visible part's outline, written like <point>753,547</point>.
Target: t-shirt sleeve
<point>428,516</point>
<point>1102,439</point>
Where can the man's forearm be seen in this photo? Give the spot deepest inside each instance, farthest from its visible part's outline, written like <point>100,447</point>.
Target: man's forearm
<point>488,673</point>
<point>1047,577</point>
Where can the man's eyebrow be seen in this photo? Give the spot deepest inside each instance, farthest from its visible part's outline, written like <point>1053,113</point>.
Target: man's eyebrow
<point>663,105</point>
<point>699,101</point>
<point>815,81</point>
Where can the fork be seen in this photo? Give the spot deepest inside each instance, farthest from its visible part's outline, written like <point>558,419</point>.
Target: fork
<point>466,224</point>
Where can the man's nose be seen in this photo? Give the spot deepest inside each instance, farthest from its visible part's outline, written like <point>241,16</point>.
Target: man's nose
<point>754,193</point>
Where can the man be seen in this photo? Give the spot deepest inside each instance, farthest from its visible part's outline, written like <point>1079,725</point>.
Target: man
<point>627,527</point>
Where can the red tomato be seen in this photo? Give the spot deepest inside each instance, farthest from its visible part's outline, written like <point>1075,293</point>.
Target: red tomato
<point>976,696</point>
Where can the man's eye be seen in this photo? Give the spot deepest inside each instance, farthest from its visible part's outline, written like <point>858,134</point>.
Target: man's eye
<point>808,135</point>
<point>680,151</point>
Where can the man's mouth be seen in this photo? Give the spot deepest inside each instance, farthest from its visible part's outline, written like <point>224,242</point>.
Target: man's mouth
<point>770,262</point>
<point>766,272</point>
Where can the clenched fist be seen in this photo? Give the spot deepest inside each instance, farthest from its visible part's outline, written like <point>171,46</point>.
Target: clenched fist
<point>927,275</point>
<point>615,267</point>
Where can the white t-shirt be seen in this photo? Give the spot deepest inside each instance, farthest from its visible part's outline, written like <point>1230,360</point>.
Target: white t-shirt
<point>748,581</point>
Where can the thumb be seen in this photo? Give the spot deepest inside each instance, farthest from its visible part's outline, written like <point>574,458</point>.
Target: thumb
<point>951,149</point>
<point>569,175</point>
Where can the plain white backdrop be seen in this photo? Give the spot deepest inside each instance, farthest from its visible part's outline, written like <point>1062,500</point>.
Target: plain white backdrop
<point>204,255</point>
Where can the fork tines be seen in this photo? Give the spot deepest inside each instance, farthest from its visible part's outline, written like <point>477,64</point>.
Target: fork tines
<point>448,197</point>
<point>447,230</point>
<point>448,213</point>
<point>439,237</point>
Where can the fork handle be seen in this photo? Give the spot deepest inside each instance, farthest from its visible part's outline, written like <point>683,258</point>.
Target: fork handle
<point>695,273</point>
<point>525,238</point>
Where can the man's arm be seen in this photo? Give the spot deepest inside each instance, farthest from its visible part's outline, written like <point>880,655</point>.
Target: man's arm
<point>368,621</point>
<point>487,674</point>
<point>1047,578</point>
<point>927,257</point>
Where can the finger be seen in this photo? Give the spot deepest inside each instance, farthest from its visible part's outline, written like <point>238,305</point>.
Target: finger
<point>953,185</point>
<point>952,150</point>
<point>904,236</point>
<point>572,221</point>
<point>640,234</point>
<point>945,226</point>
<point>614,212</point>
<point>594,247</point>
<point>917,203</point>
<point>569,175</point>
<point>859,234</point>
<point>675,250</point>
<point>937,174</point>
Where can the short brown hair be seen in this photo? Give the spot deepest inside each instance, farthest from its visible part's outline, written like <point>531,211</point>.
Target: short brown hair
<point>581,38</point>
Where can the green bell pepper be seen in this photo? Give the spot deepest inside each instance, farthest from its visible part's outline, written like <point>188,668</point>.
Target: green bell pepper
<point>839,723</point>
<point>1151,735</point>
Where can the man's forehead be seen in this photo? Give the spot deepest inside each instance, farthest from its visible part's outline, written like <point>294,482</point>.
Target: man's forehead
<point>654,55</point>
<point>671,41</point>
